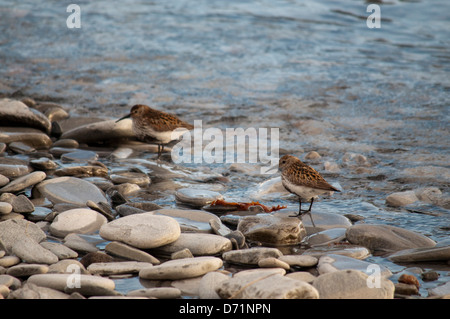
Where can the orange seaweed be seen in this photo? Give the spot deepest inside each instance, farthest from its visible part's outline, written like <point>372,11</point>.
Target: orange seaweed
<point>245,206</point>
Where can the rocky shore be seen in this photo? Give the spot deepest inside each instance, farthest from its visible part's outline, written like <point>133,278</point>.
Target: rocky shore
<point>80,210</point>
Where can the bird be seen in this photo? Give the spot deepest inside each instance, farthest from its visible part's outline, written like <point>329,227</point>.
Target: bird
<point>304,181</point>
<point>150,124</point>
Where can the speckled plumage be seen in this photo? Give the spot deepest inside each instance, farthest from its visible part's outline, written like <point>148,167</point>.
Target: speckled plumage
<point>303,181</point>
<point>150,124</point>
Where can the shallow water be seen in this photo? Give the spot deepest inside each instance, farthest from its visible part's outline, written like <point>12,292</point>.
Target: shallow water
<point>313,69</point>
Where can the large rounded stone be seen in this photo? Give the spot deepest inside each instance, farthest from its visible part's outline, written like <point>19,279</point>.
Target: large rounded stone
<point>100,131</point>
<point>385,238</point>
<point>14,230</point>
<point>69,190</point>
<point>16,113</point>
<point>143,231</point>
<point>353,284</point>
<point>199,244</point>
<point>79,220</point>
<point>181,268</point>
<point>274,229</point>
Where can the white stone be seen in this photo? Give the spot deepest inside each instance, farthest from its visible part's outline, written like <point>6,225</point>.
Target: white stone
<point>181,268</point>
<point>143,231</point>
<point>401,198</point>
<point>78,220</point>
<point>199,244</point>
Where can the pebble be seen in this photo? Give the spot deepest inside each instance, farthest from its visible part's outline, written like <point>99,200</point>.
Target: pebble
<point>401,198</point>
<point>67,266</point>
<point>200,244</point>
<point>117,268</point>
<point>272,262</point>
<point>13,112</point>
<point>326,237</point>
<point>299,260</point>
<point>32,291</point>
<point>159,293</point>
<point>250,256</point>
<point>68,190</point>
<point>386,238</point>
<point>140,179</point>
<point>79,156</point>
<point>441,290</point>
<point>332,263</point>
<point>272,229</point>
<point>3,180</point>
<point>260,286</point>
<point>353,251</point>
<point>80,220</point>
<point>209,283</point>
<point>25,270</point>
<point>87,285</point>
<point>14,230</point>
<point>23,182</point>
<point>302,275</point>
<point>5,208</point>
<point>31,252</point>
<point>128,252</point>
<point>13,168</point>
<point>196,197</point>
<point>143,231</point>
<point>421,254</point>
<point>406,289</point>
<point>43,164</point>
<point>351,284</point>
<point>182,268</point>
<point>8,261</point>
<point>79,244</point>
<point>61,251</point>
<point>191,220</point>
<point>82,171</point>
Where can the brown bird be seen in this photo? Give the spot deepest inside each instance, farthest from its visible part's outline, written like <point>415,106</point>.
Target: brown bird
<point>303,181</point>
<point>151,124</point>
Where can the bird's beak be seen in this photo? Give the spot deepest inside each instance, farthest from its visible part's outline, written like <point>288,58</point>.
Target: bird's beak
<point>125,117</point>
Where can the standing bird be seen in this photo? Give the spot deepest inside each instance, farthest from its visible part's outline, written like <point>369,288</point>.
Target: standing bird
<point>303,181</point>
<point>151,124</point>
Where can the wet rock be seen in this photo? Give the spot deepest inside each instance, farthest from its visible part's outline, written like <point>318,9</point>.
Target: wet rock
<point>199,244</point>
<point>323,221</point>
<point>66,143</point>
<point>12,231</point>
<point>332,263</point>
<point>54,112</point>
<point>128,252</point>
<point>180,254</point>
<point>434,173</point>
<point>196,197</point>
<point>117,268</point>
<point>385,238</point>
<point>260,286</point>
<point>13,168</point>
<point>401,198</point>
<point>142,230</point>
<point>32,140</point>
<point>23,182</point>
<point>353,251</point>
<point>43,163</point>
<point>79,156</point>
<point>25,270</point>
<point>31,291</point>
<point>20,203</point>
<point>87,284</point>
<point>406,289</point>
<point>100,132</point>
<point>326,237</point>
<point>79,244</point>
<point>409,279</point>
<point>441,290</point>
<point>190,220</point>
<point>31,252</point>
<point>351,284</point>
<point>250,256</point>
<point>422,254</point>
<point>16,113</point>
<point>82,171</point>
<point>140,179</point>
<point>271,189</point>
<point>61,251</point>
<point>219,228</point>
<point>181,268</point>
<point>81,221</point>
<point>313,155</point>
<point>68,190</point>
<point>430,276</point>
<point>272,229</point>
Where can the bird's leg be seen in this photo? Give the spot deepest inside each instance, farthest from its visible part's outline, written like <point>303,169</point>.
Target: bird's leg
<point>159,151</point>
<point>299,208</point>
<point>309,212</point>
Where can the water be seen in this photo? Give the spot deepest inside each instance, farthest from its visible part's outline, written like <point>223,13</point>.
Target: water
<point>311,68</point>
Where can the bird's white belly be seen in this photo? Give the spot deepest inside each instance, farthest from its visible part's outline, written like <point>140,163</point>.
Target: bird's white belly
<point>163,137</point>
<point>304,192</point>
